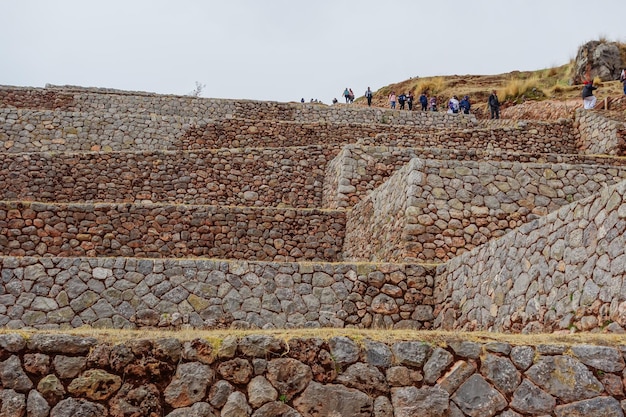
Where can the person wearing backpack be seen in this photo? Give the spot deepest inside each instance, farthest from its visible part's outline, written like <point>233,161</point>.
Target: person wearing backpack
<point>368,96</point>
<point>494,105</point>
<point>401,100</point>
<point>346,94</point>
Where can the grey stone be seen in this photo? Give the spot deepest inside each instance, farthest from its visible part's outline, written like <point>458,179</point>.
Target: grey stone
<point>604,358</point>
<point>501,372</point>
<point>522,356</point>
<point>498,347</point>
<point>13,376</point>
<point>439,360</point>
<point>466,349</point>
<point>200,409</point>
<point>189,385</point>
<point>12,342</point>
<point>61,343</point>
<point>276,409</point>
<point>69,366</point>
<point>382,407</point>
<point>260,391</point>
<point>219,392</point>
<point>36,405</point>
<point>530,399</point>
<point>410,353</point>
<point>595,407</point>
<point>565,378</point>
<point>377,354</point>
<point>343,350</point>
<point>423,402</point>
<point>261,346</point>
<point>168,349</point>
<point>365,378</point>
<point>236,406</point>
<point>324,400</point>
<point>13,403</point>
<point>51,388</point>
<point>477,398</point>
<point>72,407</point>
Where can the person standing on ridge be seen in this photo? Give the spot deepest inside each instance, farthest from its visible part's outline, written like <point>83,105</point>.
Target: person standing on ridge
<point>622,78</point>
<point>494,105</point>
<point>401,100</point>
<point>453,105</point>
<point>424,101</point>
<point>392,99</point>
<point>346,94</point>
<point>409,100</point>
<point>433,103</point>
<point>368,96</point>
<point>589,100</point>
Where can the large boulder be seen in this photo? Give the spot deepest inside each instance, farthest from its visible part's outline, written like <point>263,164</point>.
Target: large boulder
<point>597,59</point>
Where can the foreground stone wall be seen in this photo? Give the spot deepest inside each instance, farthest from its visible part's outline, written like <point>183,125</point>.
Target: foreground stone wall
<point>434,210</point>
<point>52,293</point>
<point>162,231</point>
<point>262,376</point>
<point>570,273</point>
<point>242,177</point>
<point>600,134</point>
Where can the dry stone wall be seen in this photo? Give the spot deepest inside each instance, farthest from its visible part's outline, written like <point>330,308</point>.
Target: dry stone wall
<point>434,210</point>
<point>600,134</point>
<point>53,293</point>
<point>358,169</point>
<point>521,136</point>
<point>288,177</point>
<point>258,375</point>
<point>570,273</point>
<point>160,231</point>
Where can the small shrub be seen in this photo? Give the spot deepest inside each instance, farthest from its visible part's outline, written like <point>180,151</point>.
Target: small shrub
<point>518,90</point>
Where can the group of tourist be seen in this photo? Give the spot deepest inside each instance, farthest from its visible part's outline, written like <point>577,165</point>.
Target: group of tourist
<point>455,105</point>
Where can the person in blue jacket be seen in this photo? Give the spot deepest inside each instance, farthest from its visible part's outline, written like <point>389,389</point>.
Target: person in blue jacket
<point>424,101</point>
<point>465,105</point>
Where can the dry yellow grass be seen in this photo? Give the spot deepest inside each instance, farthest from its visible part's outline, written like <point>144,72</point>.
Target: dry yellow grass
<point>434,337</point>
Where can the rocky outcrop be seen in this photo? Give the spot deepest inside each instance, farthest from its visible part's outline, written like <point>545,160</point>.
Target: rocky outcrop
<point>597,59</point>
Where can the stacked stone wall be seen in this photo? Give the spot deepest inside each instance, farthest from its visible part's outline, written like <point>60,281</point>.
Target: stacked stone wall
<point>526,136</point>
<point>570,273</point>
<point>90,100</point>
<point>358,169</point>
<point>259,375</point>
<point>454,206</point>
<point>159,231</point>
<point>600,134</point>
<point>49,293</point>
<point>242,177</point>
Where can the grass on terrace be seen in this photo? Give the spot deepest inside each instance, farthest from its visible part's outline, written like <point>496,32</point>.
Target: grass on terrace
<point>434,337</point>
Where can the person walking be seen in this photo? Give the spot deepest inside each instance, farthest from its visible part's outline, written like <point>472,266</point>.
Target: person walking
<point>346,94</point>
<point>494,105</point>
<point>351,96</point>
<point>392,99</point>
<point>424,101</point>
<point>622,78</point>
<point>409,100</point>
<point>368,96</point>
<point>401,100</point>
<point>589,100</point>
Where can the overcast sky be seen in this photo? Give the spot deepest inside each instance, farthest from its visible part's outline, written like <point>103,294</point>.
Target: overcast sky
<point>287,49</point>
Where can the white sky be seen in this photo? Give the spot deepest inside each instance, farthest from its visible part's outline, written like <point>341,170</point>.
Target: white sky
<point>287,49</point>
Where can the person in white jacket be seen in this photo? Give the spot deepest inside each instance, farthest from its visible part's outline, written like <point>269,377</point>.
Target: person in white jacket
<point>453,105</point>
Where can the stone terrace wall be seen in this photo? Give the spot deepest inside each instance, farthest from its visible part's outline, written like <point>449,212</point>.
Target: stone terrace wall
<point>571,272</point>
<point>453,206</point>
<point>156,231</point>
<point>529,137</point>
<point>358,170</point>
<point>251,177</point>
<point>600,134</point>
<point>47,293</point>
<point>121,102</point>
<point>262,376</point>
